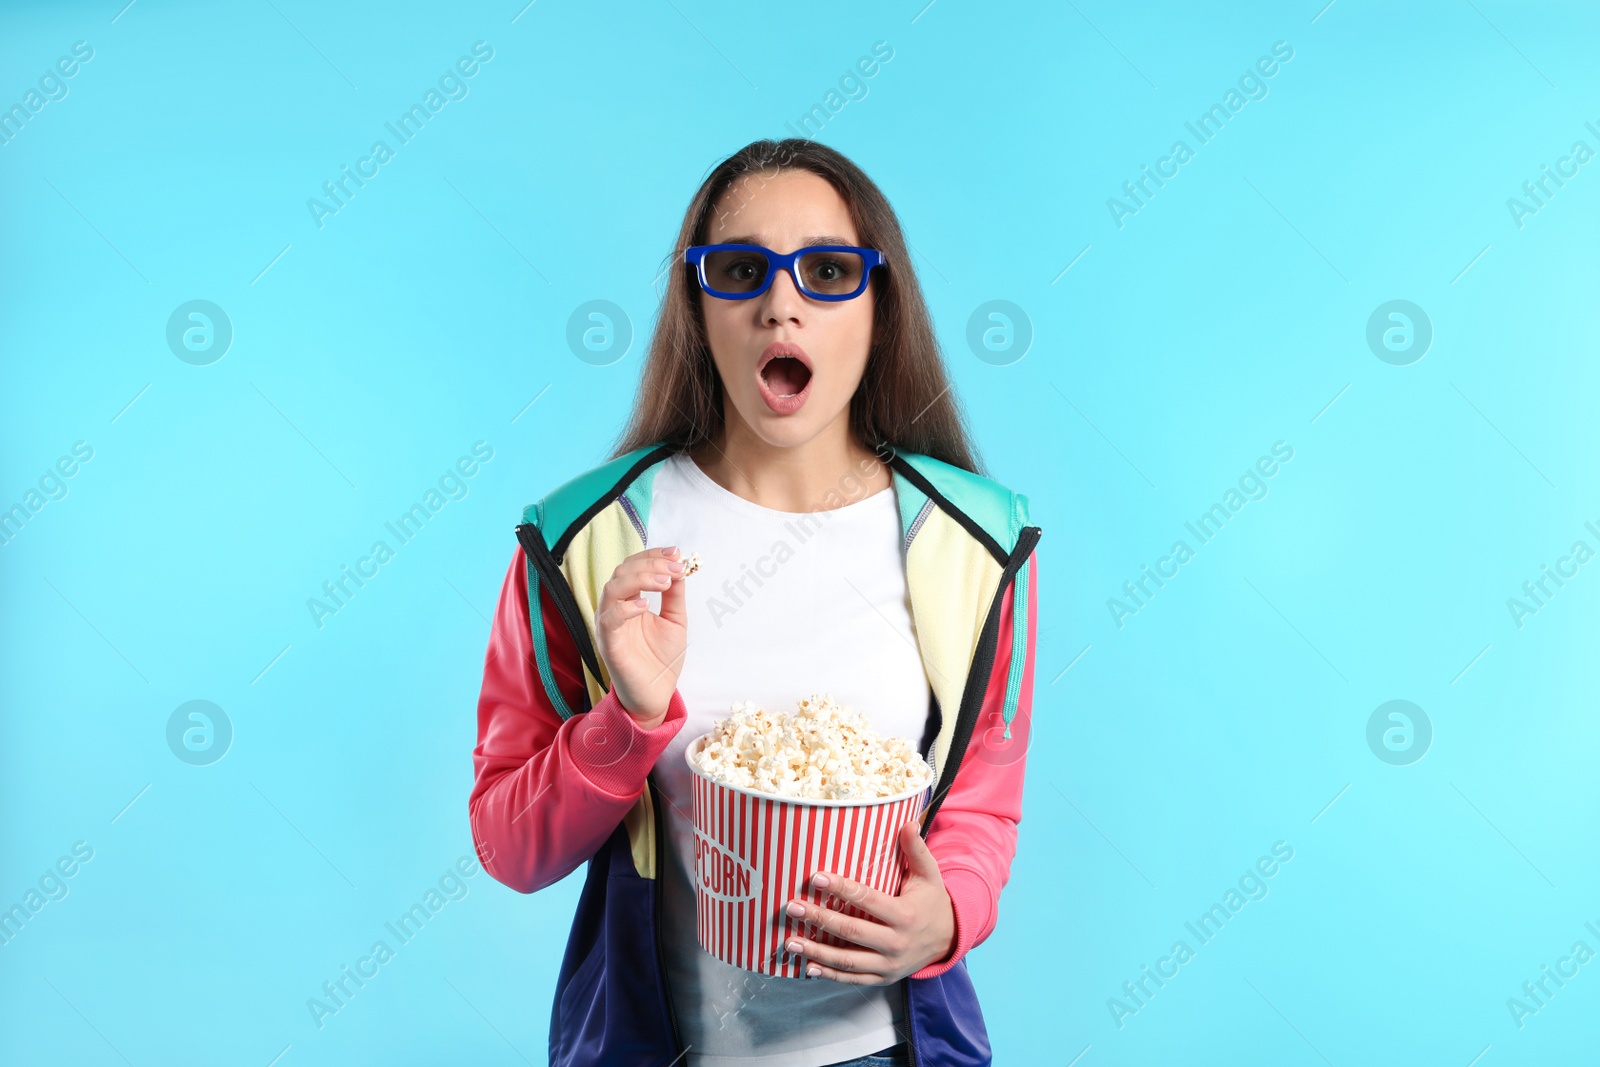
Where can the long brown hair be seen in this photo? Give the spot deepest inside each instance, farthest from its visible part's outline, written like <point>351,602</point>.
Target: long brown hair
<point>904,400</point>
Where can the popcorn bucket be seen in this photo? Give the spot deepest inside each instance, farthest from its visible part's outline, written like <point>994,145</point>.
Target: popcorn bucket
<point>754,852</point>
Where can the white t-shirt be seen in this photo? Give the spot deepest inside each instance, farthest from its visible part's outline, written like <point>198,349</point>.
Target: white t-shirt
<point>832,617</point>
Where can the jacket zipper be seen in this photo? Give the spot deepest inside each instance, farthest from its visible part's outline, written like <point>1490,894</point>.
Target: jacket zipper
<point>968,717</point>
<point>566,606</point>
<point>905,997</point>
<point>982,662</point>
<point>660,893</point>
<point>561,593</point>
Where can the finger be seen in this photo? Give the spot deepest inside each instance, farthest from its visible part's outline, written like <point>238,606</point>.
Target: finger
<point>851,966</point>
<point>654,562</point>
<point>874,902</point>
<point>673,606</point>
<point>920,861</point>
<point>816,970</point>
<point>666,553</point>
<point>634,576</point>
<point>640,570</point>
<point>617,612</point>
<point>853,928</point>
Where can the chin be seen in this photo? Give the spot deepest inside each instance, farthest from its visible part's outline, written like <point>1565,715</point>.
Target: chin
<point>786,431</point>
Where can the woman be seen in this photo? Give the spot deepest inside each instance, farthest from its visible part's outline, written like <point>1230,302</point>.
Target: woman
<point>794,429</point>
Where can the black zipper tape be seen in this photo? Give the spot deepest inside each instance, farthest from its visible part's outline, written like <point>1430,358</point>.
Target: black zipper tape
<point>559,549</point>
<point>982,664</point>
<point>532,541</point>
<point>916,478</point>
<point>977,681</point>
<point>546,562</point>
<point>911,1029</point>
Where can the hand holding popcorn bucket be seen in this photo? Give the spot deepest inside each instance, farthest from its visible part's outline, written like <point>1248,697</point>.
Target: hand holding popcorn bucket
<point>756,851</point>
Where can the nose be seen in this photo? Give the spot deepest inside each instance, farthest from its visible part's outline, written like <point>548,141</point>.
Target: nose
<point>782,302</point>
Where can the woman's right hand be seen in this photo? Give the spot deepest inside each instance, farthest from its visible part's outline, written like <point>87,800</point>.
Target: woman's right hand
<point>643,651</point>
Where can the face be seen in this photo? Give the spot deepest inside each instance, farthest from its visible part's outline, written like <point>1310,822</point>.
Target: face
<point>780,400</point>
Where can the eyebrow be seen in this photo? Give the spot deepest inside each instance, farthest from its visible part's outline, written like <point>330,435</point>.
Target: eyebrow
<point>809,242</point>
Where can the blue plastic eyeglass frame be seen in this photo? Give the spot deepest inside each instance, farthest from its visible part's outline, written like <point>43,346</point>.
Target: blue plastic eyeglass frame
<point>695,256</point>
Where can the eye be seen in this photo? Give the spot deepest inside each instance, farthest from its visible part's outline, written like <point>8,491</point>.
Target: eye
<point>829,270</point>
<point>832,272</point>
<point>748,269</point>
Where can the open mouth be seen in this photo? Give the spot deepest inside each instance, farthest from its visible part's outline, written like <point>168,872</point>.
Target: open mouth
<point>785,376</point>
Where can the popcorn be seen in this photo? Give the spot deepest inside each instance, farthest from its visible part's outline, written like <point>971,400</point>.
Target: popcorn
<point>691,564</point>
<point>821,751</point>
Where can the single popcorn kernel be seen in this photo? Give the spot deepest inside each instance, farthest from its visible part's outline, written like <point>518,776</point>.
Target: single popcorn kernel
<point>821,751</point>
<point>691,564</point>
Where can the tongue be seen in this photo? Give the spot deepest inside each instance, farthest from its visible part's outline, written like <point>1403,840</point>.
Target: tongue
<point>786,376</point>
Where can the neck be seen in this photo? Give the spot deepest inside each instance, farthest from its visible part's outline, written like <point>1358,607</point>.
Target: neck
<point>829,471</point>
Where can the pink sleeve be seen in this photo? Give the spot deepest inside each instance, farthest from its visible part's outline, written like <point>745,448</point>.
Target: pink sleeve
<point>547,791</point>
<point>974,833</point>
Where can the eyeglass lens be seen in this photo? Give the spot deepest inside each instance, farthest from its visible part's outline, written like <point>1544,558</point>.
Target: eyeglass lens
<point>742,270</point>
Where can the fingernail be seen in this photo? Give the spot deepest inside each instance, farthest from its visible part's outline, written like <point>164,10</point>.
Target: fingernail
<point>794,946</point>
<point>674,566</point>
<point>813,971</point>
<point>662,579</point>
<point>820,881</point>
<point>796,910</point>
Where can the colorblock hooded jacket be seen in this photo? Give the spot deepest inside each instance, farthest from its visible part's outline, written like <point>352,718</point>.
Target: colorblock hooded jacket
<point>563,773</point>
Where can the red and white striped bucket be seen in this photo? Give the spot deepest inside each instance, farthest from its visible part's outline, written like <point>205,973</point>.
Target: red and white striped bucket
<point>755,852</point>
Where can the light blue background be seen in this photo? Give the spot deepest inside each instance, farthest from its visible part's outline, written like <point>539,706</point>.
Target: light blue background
<point>1229,313</point>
